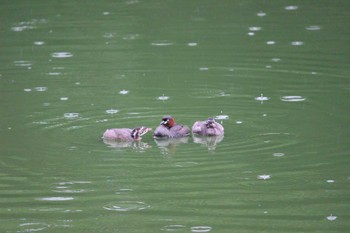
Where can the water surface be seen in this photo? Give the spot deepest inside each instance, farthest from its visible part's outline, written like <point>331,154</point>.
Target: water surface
<point>274,73</point>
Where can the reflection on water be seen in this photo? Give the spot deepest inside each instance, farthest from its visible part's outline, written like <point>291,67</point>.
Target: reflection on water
<point>169,145</point>
<point>209,141</point>
<point>137,145</point>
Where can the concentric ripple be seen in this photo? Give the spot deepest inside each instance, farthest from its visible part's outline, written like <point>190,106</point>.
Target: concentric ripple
<point>61,54</point>
<point>293,98</point>
<point>174,227</point>
<point>126,206</point>
<point>201,229</point>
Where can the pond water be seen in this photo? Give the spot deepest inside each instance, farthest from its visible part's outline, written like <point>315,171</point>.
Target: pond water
<point>274,73</point>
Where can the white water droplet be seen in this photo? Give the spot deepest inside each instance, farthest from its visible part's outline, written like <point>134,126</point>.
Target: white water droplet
<point>254,29</point>
<point>221,117</point>
<point>291,8</point>
<point>313,28</point>
<point>261,14</point>
<point>163,97</point>
<point>112,111</point>
<point>55,198</point>
<point>201,229</point>
<point>297,43</point>
<point>331,217</point>
<point>192,44</point>
<point>40,88</point>
<point>264,177</point>
<point>262,98</point>
<point>61,55</point>
<point>293,98</point>
<point>123,92</point>
<point>71,115</point>
<point>39,42</point>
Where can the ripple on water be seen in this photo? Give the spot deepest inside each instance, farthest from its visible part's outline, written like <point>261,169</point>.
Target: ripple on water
<point>221,117</point>
<point>32,227</point>
<point>71,115</point>
<point>291,8</point>
<point>331,217</point>
<point>254,28</point>
<point>55,199</point>
<point>174,227</point>
<point>278,154</point>
<point>39,43</point>
<point>163,97</point>
<point>112,111</point>
<point>262,98</point>
<point>264,177</point>
<point>124,92</point>
<point>66,187</point>
<point>23,63</point>
<point>162,43</point>
<point>201,229</point>
<point>126,206</point>
<point>40,88</point>
<point>313,28</point>
<point>61,54</point>
<point>293,98</point>
<point>25,25</point>
<point>186,164</point>
<point>297,43</point>
<point>261,14</point>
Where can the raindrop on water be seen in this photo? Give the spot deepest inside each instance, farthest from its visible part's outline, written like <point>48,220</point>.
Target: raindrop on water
<point>191,44</point>
<point>291,8</point>
<point>123,92</point>
<point>173,228</point>
<point>331,217</point>
<point>313,28</point>
<point>39,42</point>
<point>201,229</point>
<point>112,111</point>
<point>71,115</point>
<point>61,55</point>
<point>254,29</point>
<point>262,98</point>
<point>40,88</point>
<point>261,14</point>
<point>127,206</point>
<point>264,177</point>
<point>163,97</point>
<point>297,43</point>
<point>55,198</point>
<point>293,98</point>
<point>221,117</point>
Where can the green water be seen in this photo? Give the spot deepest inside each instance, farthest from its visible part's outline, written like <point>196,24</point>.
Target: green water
<point>274,73</point>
